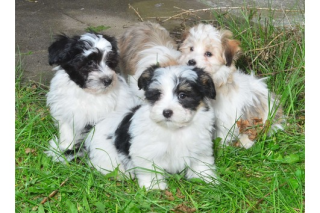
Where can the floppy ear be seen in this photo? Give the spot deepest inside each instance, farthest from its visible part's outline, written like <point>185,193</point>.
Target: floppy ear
<point>230,46</point>
<point>206,82</point>
<point>113,56</point>
<point>62,49</point>
<point>184,35</point>
<point>145,78</point>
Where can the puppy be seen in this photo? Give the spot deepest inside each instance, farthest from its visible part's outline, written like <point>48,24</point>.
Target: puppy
<point>85,87</point>
<point>142,45</point>
<point>171,131</point>
<point>239,96</point>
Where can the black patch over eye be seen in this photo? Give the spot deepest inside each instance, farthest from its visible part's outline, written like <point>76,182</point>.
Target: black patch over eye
<point>208,54</point>
<point>191,49</point>
<point>152,95</point>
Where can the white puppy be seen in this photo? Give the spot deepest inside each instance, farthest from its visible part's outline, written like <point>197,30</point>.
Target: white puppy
<point>172,131</point>
<point>239,96</point>
<point>85,87</point>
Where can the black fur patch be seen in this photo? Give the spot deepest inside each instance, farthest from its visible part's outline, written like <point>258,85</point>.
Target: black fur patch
<point>64,48</point>
<point>189,94</point>
<point>87,128</point>
<point>112,57</point>
<point>68,53</point>
<point>146,77</point>
<point>152,95</point>
<point>205,83</point>
<point>123,137</point>
<point>80,66</point>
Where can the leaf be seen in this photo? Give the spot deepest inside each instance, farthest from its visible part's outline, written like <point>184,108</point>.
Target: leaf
<point>169,195</point>
<point>41,209</point>
<point>29,150</point>
<point>299,173</point>
<point>100,207</point>
<point>71,208</point>
<point>290,159</point>
<point>97,29</point>
<point>294,183</point>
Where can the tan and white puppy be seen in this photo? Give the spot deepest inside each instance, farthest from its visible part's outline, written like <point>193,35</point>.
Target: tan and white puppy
<point>143,45</point>
<point>239,96</point>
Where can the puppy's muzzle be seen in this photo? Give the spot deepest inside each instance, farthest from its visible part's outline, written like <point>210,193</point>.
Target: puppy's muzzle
<point>192,62</point>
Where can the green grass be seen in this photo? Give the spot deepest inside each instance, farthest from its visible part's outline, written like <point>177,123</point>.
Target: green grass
<point>266,178</point>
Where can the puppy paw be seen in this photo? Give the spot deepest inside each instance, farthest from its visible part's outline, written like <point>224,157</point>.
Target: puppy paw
<point>153,185</point>
<point>245,142</point>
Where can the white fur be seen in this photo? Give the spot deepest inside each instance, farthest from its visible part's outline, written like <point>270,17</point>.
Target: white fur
<point>84,88</point>
<point>239,96</point>
<point>73,108</point>
<point>183,141</point>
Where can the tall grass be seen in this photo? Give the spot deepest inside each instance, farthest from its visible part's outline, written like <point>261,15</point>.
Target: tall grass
<point>266,178</point>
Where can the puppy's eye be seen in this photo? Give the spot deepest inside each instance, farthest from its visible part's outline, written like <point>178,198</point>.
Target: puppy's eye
<point>208,54</point>
<point>90,63</point>
<point>182,95</point>
<point>191,49</point>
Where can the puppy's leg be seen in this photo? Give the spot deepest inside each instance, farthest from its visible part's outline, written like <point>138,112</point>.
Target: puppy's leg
<point>150,178</point>
<point>203,168</point>
<point>67,136</point>
<point>103,154</point>
<point>245,141</point>
<point>58,146</point>
<point>225,134</point>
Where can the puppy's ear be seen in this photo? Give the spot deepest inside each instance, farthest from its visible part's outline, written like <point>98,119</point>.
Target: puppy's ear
<point>184,35</point>
<point>113,42</point>
<point>206,82</point>
<point>113,56</point>
<point>230,46</point>
<point>62,49</point>
<point>145,78</point>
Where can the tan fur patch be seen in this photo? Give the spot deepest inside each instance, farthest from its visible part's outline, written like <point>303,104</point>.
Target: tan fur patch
<point>140,37</point>
<point>170,62</point>
<point>230,46</point>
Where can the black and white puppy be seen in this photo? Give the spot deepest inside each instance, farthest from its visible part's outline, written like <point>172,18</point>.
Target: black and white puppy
<point>172,131</point>
<point>85,87</point>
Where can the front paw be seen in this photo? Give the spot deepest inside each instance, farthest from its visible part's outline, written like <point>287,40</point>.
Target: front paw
<point>245,142</point>
<point>151,185</point>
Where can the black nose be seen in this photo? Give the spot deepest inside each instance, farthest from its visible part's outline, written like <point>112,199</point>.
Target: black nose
<point>167,113</point>
<point>107,81</point>
<point>192,62</point>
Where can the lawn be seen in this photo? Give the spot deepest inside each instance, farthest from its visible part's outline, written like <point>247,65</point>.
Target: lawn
<point>270,177</point>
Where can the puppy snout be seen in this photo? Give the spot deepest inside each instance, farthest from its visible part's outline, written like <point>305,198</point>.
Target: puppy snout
<point>107,81</point>
<point>192,62</point>
<point>167,113</point>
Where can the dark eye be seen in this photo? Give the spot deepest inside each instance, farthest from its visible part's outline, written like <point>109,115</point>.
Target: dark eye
<point>191,49</point>
<point>182,95</point>
<point>90,63</point>
<point>208,54</point>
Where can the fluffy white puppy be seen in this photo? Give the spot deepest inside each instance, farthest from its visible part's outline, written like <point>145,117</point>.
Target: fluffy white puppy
<point>239,96</point>
<point>171,132</point>
<point>142,45</point>
<point>85,87</point>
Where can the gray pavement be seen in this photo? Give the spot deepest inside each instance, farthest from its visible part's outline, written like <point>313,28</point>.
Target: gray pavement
<point>37,21</point>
